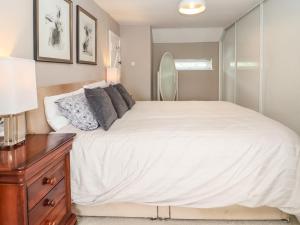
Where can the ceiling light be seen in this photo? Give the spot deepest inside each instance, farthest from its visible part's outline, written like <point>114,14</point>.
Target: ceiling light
<point>192,7</point>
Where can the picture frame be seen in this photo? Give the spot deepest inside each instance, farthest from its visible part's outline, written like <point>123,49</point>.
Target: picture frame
<point>1,128</point>
<point>86,37</point>
<point>53,31</point>
<point>114,42</point>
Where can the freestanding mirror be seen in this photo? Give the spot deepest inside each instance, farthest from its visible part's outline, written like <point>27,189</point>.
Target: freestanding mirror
<point>167,79</point>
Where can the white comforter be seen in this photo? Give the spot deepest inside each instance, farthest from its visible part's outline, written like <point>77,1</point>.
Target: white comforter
<point>193,154</point>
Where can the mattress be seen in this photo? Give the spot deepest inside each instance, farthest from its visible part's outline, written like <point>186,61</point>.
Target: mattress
<point>188,154</point>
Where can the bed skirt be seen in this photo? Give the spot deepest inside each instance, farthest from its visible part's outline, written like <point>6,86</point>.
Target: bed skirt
<point>154,212</point>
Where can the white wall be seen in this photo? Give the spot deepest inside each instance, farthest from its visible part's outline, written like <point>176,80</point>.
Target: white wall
<point>229,69</point>
<point>186,35</point>
<point>267,42</point>
<point>136,60</point>
<point>282,61</point>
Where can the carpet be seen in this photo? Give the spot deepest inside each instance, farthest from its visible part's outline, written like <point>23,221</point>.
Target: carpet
<point>130,221</point>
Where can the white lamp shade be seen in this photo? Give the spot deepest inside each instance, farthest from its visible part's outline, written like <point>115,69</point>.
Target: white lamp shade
<point>18,91</point>
<point>113,75</point>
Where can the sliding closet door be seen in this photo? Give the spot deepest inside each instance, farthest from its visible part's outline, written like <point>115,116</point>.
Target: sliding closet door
<point>229,65</point>
<point>282,61</point>
<point>248,60</point>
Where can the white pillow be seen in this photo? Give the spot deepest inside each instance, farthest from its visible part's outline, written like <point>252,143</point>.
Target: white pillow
<point>102,84</point>
<point>54,118</point>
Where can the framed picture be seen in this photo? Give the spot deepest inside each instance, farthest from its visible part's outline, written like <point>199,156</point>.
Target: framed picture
<point>86,37</point>
<point>1,127</point>
<point>53,29</point>
<point>114,50</point>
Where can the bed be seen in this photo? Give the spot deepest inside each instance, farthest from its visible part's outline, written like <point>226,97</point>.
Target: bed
<point>184,160</point>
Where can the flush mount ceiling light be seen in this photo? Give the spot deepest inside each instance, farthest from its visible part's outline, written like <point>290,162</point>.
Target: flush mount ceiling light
<point>192,7</point>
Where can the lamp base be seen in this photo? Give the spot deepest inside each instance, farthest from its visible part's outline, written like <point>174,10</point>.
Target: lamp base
<point>14,130</point>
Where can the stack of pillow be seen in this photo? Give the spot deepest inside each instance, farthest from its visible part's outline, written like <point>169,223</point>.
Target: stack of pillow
<point>97,104</point>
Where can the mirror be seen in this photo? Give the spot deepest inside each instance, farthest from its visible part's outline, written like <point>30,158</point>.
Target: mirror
<point>167,79</point>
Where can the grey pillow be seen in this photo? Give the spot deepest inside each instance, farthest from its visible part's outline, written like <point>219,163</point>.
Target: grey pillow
<point>126,96</point>
<point>117,100</point>
<point>76,109</point>
<point>101,106</point>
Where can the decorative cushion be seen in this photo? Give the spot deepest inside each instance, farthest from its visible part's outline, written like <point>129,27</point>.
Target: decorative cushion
<point>55,118</point>
<point>76,109</point>
<point>117,100</point>
<point>126,96</point>
<point>101,106</point>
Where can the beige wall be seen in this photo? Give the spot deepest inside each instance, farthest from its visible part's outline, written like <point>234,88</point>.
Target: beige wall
<point>193,85</point>
<point>136,60</point>
<point>16,39</point>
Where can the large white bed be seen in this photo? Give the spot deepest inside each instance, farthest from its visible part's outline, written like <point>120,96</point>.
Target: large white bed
<point>181,160</point>
<point>188,154</point>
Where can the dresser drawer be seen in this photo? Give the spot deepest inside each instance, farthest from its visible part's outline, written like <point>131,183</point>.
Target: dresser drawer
<point>45,183</point>
<point>57,214</point>
<point>47,204</point>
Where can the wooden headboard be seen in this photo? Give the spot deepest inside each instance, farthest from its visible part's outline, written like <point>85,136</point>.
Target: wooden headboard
<point>36,119</point>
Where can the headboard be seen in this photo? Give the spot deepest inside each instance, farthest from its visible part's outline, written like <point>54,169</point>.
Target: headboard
<point>36,120</point>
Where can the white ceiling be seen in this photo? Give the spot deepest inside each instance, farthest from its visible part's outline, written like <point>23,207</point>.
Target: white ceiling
<point>164,13</point>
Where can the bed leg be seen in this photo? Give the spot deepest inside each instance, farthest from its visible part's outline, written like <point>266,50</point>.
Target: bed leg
<point>167,218</point>
<point>163,219</point>
<point>289,219</point>
<point>153,219</point>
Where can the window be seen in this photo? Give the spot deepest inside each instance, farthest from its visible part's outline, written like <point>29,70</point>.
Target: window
<point>193,64</point>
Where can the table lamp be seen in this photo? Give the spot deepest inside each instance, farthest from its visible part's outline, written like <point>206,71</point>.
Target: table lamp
<point>18,94</point>
<point>113,75</point>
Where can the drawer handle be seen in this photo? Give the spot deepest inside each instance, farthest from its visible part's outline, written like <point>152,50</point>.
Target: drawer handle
<point>49,181</point>
<point>50,223</point>
<point>50,203</point>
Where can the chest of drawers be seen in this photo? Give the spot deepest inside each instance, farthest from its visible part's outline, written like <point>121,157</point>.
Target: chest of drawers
<point>35,182</point>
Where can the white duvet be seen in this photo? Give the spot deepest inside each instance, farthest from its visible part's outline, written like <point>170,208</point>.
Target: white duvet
<point>191,154</point>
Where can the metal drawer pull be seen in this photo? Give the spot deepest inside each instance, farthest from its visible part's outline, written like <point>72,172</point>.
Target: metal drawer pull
<point>50,203</point>
<point>50,223</point>
<point>49,181</point>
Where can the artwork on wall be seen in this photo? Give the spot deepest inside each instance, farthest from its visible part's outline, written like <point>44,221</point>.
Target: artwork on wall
<point>86,37</point>
<point>114,50</point>
<point>1,127</point>
<point>53,31</point>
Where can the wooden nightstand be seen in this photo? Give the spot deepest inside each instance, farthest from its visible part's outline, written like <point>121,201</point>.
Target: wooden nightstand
<point>35,182</point>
